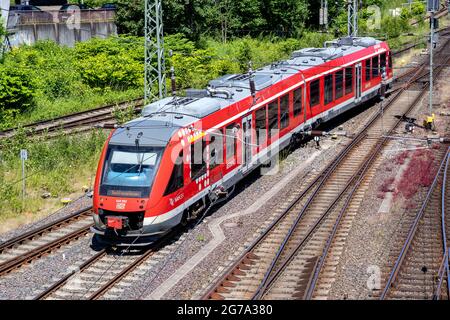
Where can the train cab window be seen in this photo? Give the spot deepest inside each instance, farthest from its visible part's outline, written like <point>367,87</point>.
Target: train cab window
<point>284,111</point>
<point>368,70</point>
<point>390,60</point>
<point>297,102</point>
<point>339,83</point>
<point>382,61</point>
<point>314,93</point>
<point>215,149</point>
<point>375,66</point>
<point>273,118</point>
<point>348,80</point>
<point>198,161</point>
<point>328,89</point>
<point>231,141</point>
<point>260,125</point>
<point>176,181</point>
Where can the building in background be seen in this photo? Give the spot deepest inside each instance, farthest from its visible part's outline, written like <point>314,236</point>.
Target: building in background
<point>65,27</point>
<point>43,2</point>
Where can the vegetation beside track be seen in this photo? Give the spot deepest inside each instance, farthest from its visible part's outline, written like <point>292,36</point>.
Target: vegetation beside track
<point>59,168</point>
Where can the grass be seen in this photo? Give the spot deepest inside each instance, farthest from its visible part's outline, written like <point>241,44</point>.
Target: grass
<point>60,166</point>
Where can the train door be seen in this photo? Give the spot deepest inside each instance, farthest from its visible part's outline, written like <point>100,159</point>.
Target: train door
<point>358,92</point>
<point>246,142</point>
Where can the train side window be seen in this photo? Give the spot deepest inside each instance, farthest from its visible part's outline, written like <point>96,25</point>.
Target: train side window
<point>298,102</point>
<point>390,60</point>
<point>215,149</point>
<point>231,141</point>
<point>198,163</point>
<point>328,89</point>
<point>176,181</point>
<point>284,111</point>
<point>260,125</point>
<point>375,67</point>
<point>368,70</point>
<point>273,117</point>
<point>348,80</point>
<point>383,61</point>
<point>339,78</point>
<point>314,93</point>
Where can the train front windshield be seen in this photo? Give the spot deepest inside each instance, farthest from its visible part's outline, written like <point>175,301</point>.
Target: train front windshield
<point>129,171</point>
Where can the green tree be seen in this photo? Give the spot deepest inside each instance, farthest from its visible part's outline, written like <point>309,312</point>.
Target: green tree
<point>286,17</point>
<point>130,17</point>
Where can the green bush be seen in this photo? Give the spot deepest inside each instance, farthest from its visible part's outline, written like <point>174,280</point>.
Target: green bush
<point>115,63</point>
<point>17,91</point>
<point>418,10</point>
<point>53,166</point>
<point>393,27</point>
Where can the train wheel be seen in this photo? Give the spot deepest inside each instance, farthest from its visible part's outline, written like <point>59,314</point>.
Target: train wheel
<point>185,218</point>
<point>97,243</point>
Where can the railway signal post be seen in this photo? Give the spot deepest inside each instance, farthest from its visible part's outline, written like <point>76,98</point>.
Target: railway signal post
<point>432,7</point>
<point>23,158</point>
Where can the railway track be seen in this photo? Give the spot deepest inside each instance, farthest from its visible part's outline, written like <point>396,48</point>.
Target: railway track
<point>420,270</point>
<point>76,122</point>
<point>291,259</point>
<point>442,32</point>
<point>97,277</point>
<point>22,250</point>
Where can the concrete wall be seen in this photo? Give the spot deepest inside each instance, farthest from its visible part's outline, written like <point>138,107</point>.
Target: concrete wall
<point>29,29</point>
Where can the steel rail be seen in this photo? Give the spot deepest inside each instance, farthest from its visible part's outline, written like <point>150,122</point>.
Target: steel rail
<point>122,274</point>
<point>38,252</point>
<point>444,233</point>
<point>28,236</point>
<point>117,278</point>
<point>71,119</point>
<point>412,231</point>
<point>411,45</point>
<point>441,275</point>
<point>65,279</point>
<point>321,262</point>
<point>267,277</point>
<point>292,204</point>
<point>445,261</point>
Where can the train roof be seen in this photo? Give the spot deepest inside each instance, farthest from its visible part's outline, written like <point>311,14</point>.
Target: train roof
<point>167,115</point>
<point>155,130</point>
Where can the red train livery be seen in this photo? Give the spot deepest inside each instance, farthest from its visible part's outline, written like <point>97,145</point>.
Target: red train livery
<point>184,153</point>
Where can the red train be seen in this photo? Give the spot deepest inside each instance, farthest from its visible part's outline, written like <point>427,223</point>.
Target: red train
<point>184,153</point>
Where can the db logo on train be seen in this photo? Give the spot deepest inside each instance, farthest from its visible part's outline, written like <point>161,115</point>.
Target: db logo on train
<point>120,204</point>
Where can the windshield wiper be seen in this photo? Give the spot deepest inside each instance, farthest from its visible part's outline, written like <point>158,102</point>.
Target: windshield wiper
<point>139,159</point>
